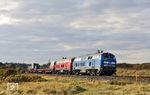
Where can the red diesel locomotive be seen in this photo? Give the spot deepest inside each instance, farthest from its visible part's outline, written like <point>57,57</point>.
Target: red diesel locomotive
<point>62,66</point>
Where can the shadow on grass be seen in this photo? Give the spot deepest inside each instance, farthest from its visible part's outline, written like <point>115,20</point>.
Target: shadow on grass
<point>76,90</point>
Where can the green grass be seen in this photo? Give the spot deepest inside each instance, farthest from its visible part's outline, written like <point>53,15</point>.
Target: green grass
<point>58,85</point>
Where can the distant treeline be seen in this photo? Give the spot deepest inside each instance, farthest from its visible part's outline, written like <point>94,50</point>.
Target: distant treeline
<point>21,67</point>
<point>134,66</point>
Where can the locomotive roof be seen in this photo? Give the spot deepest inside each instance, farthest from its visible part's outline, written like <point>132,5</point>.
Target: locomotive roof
<point>87,55</point>
<point>63,60</point>
<point>94,54</point>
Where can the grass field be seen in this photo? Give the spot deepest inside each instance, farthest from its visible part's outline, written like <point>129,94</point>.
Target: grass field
<point>58,85</point>
<point>29,84</point>
<point>133,69</point>
<point>132,72</point>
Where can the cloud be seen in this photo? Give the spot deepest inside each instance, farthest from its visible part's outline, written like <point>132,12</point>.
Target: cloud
<point>4,20</point>
<point>36,31</point>
<point>9,5</point>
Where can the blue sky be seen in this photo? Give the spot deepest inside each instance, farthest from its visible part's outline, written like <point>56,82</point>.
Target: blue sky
<point>38,30</point>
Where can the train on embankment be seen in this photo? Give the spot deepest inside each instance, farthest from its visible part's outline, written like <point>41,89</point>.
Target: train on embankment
<point>101,63</point>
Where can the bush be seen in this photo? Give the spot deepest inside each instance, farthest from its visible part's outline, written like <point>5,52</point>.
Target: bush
<point>24,78</point>
<point>50,91</point>
<point>5,73</point>
<point>134,66</point>
<point>76,90</point>
<point>32,92</point>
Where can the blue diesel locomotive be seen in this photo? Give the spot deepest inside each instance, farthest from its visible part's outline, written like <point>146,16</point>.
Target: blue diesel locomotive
<point>95,64</point>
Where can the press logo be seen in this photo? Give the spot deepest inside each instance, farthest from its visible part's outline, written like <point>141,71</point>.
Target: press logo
<point>12,86</point>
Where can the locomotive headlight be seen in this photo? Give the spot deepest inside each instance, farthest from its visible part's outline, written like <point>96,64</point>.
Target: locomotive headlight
<point>113,62</point>
<point>106,62</point>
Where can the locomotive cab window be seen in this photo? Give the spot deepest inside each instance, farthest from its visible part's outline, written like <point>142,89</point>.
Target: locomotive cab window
<point>75,65</point>
<point>106,55</point>
<point>90,57</point>
<point>78,64</point>
<point>112,56</point>
<point>89,63</point>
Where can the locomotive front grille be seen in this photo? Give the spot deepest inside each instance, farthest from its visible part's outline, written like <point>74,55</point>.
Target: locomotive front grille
<point>109,68</point>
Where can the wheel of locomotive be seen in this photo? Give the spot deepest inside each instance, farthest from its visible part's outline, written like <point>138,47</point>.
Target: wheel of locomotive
<point>101,72</point>
<point>93,73</point>
<point>74,72</point>
<point>58,72</point>
<point>66,72</point>
<point>77,72</point>
<point>69,73</point>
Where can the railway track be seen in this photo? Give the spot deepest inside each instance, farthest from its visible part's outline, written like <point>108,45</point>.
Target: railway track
<point>138,79</point>
<point>119,78</point>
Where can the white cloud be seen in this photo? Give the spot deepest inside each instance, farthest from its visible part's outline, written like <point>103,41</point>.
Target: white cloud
<point>5,20</point>
<point>8,5</point>
<point>137,56</point>
<point>54,39</point>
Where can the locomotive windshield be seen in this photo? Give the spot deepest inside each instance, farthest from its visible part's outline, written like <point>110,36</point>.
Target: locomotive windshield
<point>108,56</point>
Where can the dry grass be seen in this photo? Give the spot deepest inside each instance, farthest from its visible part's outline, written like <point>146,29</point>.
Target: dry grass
<point>132,72</point>
<point>57,85</point>
<point>24,78</point>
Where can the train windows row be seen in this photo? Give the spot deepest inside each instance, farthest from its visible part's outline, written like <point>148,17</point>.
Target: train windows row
<point>87,58</point>
<point>79,64</point>
<point>82,64</point>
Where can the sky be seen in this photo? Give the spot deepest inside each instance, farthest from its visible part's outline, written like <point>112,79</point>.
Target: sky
<point>39,30</point>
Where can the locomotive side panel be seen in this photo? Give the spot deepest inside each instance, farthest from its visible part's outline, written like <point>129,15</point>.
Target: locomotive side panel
<point>101,63</point>
<point>87,64</point>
